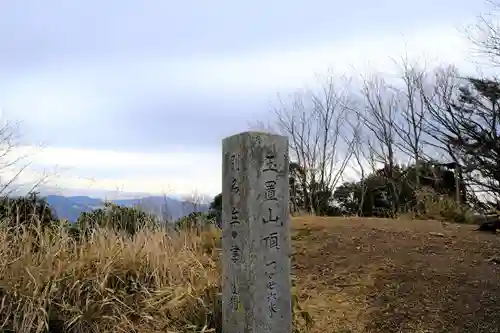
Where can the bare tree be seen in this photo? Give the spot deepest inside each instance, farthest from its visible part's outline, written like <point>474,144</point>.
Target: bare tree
<point>463,122</point>
<point>362,156</point>
<point>485,35</point>
<point>410,124</point>
<point>313,121</point>
<point>438,91</point>
<point>380,115</point>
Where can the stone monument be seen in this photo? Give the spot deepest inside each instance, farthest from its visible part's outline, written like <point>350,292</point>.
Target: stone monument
<point>256,246</point>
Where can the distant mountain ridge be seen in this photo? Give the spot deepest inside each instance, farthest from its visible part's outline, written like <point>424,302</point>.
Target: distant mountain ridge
<point>70,207</point>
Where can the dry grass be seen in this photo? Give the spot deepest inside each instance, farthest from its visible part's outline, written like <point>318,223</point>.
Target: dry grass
<point>153,282</point>
<point>351,275</point>
<point>110,283</point>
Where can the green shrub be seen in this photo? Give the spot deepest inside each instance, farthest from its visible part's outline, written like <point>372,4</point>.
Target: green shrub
<point>26,210</point>
<point>431,205</point>
<point>119,218</point>
<point>196,220</point>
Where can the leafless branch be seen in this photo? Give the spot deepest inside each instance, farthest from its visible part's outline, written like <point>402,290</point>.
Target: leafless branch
<point>314,122</point>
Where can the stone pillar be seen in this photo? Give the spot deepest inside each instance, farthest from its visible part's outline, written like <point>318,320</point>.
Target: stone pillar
<point>256,278</point>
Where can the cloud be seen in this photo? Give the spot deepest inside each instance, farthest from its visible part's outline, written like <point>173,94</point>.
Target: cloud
<point>93,98</point>
<point>259,71</point>
<point>172,172</point>
<point>37,34</point>
<point>152,121</point>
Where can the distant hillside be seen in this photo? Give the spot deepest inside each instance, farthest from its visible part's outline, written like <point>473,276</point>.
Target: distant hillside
<point>71,207</point>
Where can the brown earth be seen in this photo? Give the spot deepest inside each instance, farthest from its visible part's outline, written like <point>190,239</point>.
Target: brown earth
<point>379,275</point>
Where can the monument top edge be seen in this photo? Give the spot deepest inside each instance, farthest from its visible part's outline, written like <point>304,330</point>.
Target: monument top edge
<point>256,133</point>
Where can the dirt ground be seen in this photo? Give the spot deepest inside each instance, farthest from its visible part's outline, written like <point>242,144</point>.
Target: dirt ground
<point>378,275</point>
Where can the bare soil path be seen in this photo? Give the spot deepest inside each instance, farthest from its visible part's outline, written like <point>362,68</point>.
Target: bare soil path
<point>381,275</point>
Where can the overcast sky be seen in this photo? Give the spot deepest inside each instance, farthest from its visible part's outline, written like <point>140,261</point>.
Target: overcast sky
<point>138,95</point>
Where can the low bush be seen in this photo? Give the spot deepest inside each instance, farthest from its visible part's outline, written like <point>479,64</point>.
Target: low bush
<point>196,221</point>
<point>25,210</point>
<point>431,205</point>
<point>128,220</point>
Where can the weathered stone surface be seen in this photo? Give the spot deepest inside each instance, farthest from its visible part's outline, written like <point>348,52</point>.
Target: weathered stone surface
<point>256,234</point>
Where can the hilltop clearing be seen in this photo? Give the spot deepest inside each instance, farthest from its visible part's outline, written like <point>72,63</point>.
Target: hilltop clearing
<point>380,275</point>
<point>352,275</point>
